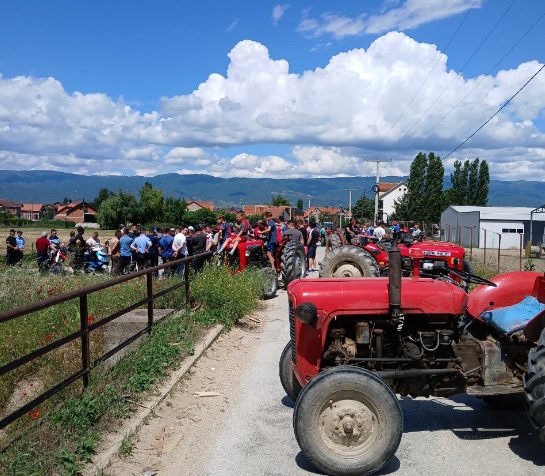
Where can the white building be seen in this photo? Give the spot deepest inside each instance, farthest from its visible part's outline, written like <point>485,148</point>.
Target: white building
<point>388,193</point>
<point>490,225</point>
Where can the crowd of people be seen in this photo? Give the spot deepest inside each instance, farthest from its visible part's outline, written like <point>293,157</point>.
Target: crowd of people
<point>134,247</point>
<point>358,232</point>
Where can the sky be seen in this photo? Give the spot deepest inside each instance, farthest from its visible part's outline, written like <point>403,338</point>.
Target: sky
<point>257,88</point>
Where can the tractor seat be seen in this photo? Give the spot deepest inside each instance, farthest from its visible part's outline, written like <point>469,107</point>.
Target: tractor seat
<point>513,318</point>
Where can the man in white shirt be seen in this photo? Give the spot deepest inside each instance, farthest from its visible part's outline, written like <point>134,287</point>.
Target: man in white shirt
<point>379,231</point>
<point>179,250</point>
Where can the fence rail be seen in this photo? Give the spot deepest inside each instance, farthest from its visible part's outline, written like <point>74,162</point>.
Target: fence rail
<point>86,327</point>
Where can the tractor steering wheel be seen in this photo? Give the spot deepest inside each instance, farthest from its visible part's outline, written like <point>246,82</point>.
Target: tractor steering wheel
<point>468,277</point>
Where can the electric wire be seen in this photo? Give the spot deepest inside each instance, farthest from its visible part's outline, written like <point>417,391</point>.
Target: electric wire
<point>479,82</point>
<point>457,75</point>
<point>431,71</point>
<point>498,111</point>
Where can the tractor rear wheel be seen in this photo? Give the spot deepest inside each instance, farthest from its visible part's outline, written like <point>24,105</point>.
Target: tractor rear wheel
<point>270,282</point>
<point>534,386</point>
<point>348,421</point>
<point>287,378</point>
<point>349,261</point>
<point>293,263</point>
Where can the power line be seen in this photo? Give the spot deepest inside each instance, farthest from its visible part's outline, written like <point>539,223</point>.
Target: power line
<point>457,75</point>
<point>480,81</point>
<point>498,111</point>
<point>429,74</point>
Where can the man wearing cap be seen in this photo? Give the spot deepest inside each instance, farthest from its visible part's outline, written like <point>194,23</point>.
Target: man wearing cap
<point>11,247</point>
<point>197,244</point>
<point>43,245</point>
<point>179,250</point>
<point>20,245</point>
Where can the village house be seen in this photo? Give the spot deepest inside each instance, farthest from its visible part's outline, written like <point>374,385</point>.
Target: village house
<point>8,206</point>
<point>77,212</point>
<point>388,193</point>
<point>33,211</point>
<point>318,213</point>
<point>193,206</point>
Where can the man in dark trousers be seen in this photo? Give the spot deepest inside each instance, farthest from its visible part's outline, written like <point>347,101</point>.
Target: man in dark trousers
<point>11,247</point>
<point>198,243</point>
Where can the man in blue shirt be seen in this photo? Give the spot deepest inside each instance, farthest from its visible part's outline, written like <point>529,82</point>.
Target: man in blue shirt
<point>125,251</point>
<point>165,247</point>
<point>271,240</point>
<point>141,245</point>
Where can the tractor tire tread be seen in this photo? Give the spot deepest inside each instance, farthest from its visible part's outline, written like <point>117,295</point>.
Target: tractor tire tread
<point>534,386</point>
<point>360,258</point>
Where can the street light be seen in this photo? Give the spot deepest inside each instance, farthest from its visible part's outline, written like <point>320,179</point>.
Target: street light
<point>350,201</point>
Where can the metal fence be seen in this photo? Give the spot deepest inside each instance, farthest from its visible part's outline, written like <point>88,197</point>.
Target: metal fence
<point>86,327</point>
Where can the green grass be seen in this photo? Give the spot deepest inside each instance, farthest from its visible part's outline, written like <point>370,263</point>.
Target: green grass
<point>70,424</point>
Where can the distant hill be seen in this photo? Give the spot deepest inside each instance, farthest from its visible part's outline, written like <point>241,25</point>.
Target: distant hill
<point>37,186</point>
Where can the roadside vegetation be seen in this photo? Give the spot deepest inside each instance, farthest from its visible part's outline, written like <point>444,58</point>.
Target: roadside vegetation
<point>61,435</point>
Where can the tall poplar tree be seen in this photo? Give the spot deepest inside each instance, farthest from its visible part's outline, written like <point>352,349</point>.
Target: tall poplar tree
<point>483,181</point>
<point>472,179</point>
<point>433,193</point>
<point>416,188</point>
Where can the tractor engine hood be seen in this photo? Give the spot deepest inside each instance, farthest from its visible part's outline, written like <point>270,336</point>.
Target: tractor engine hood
<point>361,296</point>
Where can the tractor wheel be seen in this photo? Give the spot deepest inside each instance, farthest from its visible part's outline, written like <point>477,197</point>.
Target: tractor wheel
<point>468,267</point>
<point>287,377</point>
<point>349,261</point>
<point>534,386</point>
<point>348,421</point>
<point>57,268</point>
<point>270,282</point>
<point>293,263</point>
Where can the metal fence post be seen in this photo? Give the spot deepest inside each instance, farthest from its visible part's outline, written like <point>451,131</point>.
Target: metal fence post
<point>186,278</point>
<point>149,290</point>
<point>499,251</point>
<point>84,324</point>
<point>520,253</point>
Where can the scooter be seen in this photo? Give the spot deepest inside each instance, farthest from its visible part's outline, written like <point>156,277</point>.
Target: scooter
<point>96,260</point>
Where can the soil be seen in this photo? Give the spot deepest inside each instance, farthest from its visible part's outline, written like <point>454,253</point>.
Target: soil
<point>194,410</point>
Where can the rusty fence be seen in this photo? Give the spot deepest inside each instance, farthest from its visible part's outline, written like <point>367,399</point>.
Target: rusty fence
<point>86,327</point>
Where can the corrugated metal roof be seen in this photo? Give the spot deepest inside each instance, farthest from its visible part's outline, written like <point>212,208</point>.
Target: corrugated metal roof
<point>501,213</point>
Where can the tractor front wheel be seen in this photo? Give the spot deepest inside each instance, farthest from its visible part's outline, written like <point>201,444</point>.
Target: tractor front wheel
<point>349,261</point>
<point>293,262</point>
<point>348,422</point>
<point>270,282</point>
<point>287,378</point>
<point>534,386</point>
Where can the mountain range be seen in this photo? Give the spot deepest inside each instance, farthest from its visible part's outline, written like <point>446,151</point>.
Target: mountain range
<point>37,186</point>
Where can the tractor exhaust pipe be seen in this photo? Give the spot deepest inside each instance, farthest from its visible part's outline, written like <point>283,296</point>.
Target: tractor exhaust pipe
<point>394,283</point>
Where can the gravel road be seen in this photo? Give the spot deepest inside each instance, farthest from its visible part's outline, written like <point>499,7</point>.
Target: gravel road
<point>230,417</point>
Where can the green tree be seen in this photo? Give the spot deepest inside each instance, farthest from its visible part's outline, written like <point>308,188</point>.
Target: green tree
<point>280,201</point>
<point>458,192</point>
<point>434,197</point>
<point>203,216</point>
<point>364,209</point>
<point>416,188</point>
<point>483,182</point>
<point>103,194</point>
<point>151,204</point>
<point>401,209</point>
<point>300,204</point>
<point>173,210</point>
<point>472,179</point>
<point>120,208</point>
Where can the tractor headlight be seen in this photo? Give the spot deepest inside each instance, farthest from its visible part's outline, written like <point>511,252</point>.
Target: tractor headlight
<point>307,313</point>
<point>247,253</point>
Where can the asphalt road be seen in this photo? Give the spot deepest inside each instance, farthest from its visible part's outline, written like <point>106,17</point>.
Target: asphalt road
<point>252,433</point>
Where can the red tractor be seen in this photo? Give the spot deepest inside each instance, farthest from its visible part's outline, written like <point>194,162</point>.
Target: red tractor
<point>367,258</point>
<point>355,343</point>
<point>290,262</point>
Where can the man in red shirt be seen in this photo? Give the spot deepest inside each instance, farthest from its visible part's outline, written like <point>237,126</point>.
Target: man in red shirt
<point>42,248</point>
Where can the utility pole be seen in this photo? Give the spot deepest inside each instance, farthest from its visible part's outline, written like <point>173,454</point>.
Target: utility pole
<point>350,200</point>
<point>376,186</point>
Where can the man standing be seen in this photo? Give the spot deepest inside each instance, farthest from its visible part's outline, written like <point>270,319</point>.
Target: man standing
<point>11,247</point>
<point>293,233</point>
<point>79,241</point>
<point>42,247</point>
<point>113,252</point>
<point>312,246</point>
<point>197,244</point>
<point>141,246</point>
<point>272,244</point>
<point>379,231</point>
<point>21,245</point>
<point>179,250</point>
<point>125,251</point>
<point>165,248</point>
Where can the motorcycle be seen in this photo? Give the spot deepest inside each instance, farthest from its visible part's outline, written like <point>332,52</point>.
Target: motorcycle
<point>55,263</point>
<point>96,260</point>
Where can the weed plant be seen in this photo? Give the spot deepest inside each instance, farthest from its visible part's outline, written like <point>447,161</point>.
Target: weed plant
<point>61,435</point>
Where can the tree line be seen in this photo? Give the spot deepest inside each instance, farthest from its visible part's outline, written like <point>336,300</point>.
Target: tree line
<point>425,198</point>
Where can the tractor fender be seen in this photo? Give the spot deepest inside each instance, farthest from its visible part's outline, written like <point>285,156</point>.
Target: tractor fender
<point>533,329</point>
<point>511,288</point>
